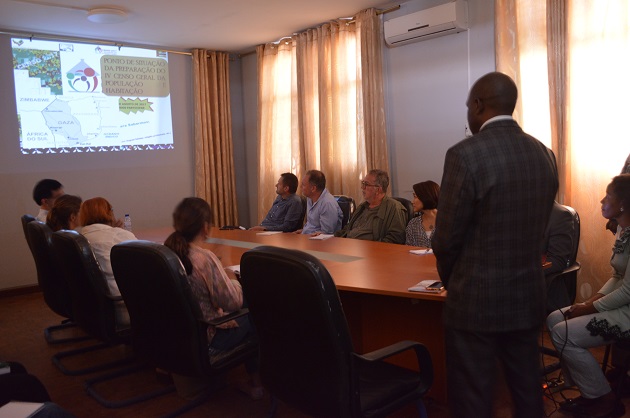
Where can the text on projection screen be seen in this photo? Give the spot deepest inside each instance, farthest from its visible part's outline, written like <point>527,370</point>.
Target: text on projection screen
<point>74,97</point>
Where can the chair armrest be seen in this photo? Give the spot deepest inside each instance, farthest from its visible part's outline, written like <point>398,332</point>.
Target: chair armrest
<point>574,267</point>
<point>396,348</point>
<point>114,298</point>
<point>422,355</point>
<point>226,318</point>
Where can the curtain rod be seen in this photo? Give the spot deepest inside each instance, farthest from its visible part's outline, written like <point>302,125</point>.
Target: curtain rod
<point>88,40</point>
<point>378,13</point>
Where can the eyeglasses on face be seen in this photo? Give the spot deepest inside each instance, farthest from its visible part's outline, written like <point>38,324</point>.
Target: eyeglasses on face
<point>365,184</point>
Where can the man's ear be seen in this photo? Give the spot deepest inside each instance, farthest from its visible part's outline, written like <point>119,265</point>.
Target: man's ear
<point>480,107</point>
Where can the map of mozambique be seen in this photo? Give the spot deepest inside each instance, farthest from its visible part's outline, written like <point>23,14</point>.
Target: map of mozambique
<point>44,65</point>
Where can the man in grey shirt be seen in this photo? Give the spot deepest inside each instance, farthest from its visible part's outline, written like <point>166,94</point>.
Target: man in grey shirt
<point>286,212</point>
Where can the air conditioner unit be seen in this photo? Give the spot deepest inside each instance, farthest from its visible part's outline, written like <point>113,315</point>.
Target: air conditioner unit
<point>426,24</point>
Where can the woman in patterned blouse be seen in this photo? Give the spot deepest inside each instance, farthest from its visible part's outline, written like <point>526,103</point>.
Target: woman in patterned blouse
<point>211,285</point>
<point>598,321</point>
<point>425,201</point>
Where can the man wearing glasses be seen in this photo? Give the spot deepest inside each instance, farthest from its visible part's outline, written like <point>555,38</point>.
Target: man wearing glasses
<point>379,218</point>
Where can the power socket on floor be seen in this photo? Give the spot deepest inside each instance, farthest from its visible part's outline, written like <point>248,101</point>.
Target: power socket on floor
<point>555,384</point>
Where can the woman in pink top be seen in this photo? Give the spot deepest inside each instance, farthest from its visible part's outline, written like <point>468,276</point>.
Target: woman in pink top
<point>216,292</point>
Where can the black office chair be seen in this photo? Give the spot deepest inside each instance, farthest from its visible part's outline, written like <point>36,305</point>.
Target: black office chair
<point>306,354</point>
<point>50,279</point>
<point>347,205</point>
<point>167,326</point>
<point>92,309</point>
<point>407,205</point>
<point>26,219</point>
<point>566,280</point>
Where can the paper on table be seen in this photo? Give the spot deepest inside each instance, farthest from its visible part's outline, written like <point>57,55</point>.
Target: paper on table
<point>322,236</point>
<point>236,268</point>
<point>15,409</point>
<point>422,287</point>
<point>422,252</point>
<point>269,233</point>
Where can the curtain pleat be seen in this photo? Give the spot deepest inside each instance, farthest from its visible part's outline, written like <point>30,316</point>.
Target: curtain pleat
<point>583,47</point>
<point>321,106</point>
<point>214,162</point>
<point>557,54</point>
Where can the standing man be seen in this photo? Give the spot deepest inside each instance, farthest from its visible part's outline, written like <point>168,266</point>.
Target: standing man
<point>286,212</point>
<point>323,214</point>
<point>497,191</point>
<point>379,218</point>
<point>44,194</point>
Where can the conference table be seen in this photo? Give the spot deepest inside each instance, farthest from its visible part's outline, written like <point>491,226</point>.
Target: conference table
<point>372,279</point>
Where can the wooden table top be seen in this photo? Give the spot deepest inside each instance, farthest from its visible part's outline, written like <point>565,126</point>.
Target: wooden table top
<point>355,265</point>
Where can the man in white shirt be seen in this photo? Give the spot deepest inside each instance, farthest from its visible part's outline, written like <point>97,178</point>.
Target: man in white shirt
<point>44,194</point>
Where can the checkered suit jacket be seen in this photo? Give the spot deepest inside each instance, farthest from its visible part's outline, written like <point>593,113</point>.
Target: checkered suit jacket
<point>497,191</point>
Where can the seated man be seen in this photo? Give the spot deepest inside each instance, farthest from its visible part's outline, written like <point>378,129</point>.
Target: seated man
<point>379,218</point>
<point>557,248</point>
<point>286,212</point>
<point>44,194</point>
<point>323,214</point>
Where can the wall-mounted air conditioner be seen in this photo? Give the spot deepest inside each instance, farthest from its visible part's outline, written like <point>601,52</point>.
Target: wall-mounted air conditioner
<point>426,24</point>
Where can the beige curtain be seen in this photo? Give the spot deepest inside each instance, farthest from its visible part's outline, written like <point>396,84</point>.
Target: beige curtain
<point>214,162</point>
<point>321,106</point>
<point>571,60</point>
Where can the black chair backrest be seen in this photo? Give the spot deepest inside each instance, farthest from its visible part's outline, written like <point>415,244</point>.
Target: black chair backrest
<point>407,205</point>
<point>576,234</point>
<point>347,205</point>
<point>165,325</point>
<point>92,309</point>
<point>50,277</point>
<point>26,219</point>
<point>302,330</point>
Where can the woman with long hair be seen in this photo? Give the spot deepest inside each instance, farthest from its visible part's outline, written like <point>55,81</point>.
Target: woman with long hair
<point>99,227</point>
<point>216,293</point>
<point>64,213</point>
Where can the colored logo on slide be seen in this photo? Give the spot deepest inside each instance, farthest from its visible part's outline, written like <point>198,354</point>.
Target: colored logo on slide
<point>82,78</point>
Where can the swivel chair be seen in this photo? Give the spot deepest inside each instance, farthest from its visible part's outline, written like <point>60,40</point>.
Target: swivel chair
<point>407,205</point>
<point>347,205</point>
<point>167,327</point>
<point>50,279</point>
<point>306,354</point>
<point>565,280</point>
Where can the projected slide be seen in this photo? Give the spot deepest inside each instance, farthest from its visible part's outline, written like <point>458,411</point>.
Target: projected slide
<point>75,97</point>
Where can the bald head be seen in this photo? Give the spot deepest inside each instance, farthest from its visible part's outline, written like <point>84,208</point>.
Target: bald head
<point>492,95</point>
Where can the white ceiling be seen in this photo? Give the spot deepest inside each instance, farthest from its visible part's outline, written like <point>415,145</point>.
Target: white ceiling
<point>225,25</point>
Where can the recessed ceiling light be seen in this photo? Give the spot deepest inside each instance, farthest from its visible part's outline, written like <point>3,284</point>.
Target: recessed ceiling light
<point>106,15</point>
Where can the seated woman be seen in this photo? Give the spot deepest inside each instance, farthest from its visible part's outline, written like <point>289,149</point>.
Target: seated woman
<point>99,227</point>
<point>216,293</point>
<point>599,320</point>
<point>425,201</point>
<point>64,213</point>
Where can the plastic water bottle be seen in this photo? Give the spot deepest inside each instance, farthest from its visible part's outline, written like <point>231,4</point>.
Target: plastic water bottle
<point>127,222</point>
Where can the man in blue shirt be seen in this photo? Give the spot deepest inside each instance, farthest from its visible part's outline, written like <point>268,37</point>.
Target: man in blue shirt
<point>286,213</point>
<point>323,214</point>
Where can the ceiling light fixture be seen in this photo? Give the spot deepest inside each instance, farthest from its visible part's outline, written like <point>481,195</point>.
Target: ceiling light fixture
<point>106,15</point>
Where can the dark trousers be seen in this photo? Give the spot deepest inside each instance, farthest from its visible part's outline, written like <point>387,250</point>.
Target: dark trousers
<point>471,362</point>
